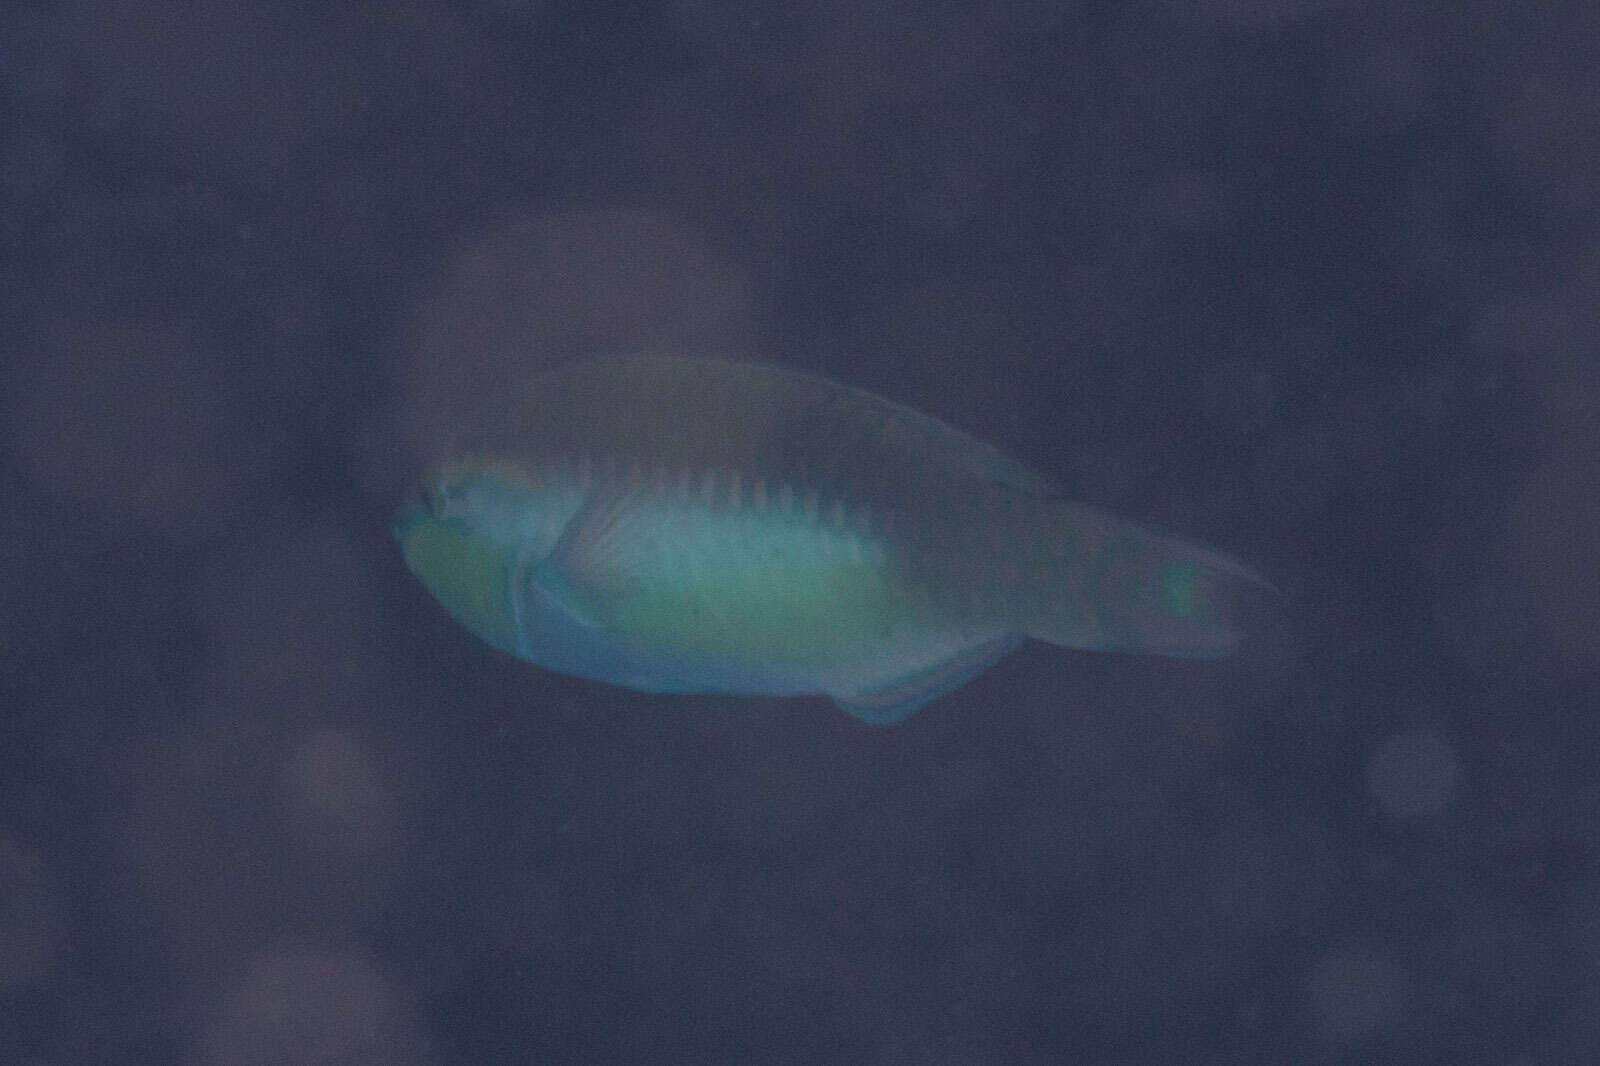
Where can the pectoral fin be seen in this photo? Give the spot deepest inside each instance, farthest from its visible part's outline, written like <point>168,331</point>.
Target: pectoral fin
<point>592,560</point>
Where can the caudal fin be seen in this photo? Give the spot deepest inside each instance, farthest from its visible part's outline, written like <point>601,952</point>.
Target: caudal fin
<point>1191,601</point>
<point>1120,586</point>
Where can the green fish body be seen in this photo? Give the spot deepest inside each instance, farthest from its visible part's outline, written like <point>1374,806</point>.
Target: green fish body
<point>691,525</point>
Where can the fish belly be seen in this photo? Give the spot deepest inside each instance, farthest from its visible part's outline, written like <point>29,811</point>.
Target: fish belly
<point>685,600</point>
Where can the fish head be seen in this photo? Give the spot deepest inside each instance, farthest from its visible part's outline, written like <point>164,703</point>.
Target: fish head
<point>467,530</point>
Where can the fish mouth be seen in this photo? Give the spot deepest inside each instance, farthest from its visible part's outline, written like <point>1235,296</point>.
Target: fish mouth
<point>412,510</point>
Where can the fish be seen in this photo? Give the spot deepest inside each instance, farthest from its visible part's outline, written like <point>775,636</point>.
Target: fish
<point>685,525</point>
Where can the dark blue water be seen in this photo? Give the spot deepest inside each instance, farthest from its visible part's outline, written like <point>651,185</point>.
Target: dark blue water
<point>1312,281</point>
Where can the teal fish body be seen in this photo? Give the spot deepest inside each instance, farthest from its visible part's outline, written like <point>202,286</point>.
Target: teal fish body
<point>688,525</point>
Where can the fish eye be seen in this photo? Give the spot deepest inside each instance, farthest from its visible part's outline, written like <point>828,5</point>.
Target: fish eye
<point>444,498</point>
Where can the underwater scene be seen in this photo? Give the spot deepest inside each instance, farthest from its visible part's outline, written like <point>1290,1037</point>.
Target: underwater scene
<point>878,532</point>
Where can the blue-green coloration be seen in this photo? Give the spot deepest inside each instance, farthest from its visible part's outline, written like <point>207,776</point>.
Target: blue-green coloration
<point>690,525</point>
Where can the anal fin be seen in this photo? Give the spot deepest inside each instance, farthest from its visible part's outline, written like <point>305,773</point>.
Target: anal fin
<point>903,697</point>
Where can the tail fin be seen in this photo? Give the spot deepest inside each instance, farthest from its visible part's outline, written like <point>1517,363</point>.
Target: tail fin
<point>1116,585</point>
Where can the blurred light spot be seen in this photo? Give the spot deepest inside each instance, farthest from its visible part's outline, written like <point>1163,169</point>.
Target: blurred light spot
<point>545,289</point>
<point>310,1006</point>
<point>1355,996</point>
<point>524,11</point>
<point>137,422</point>
<point>1552,153</point>
<point>1555,524</point>
<point>1575,1036</point>
<point>1395,74</point>
<point>293,616</point>
<point>336,805</point>
<point>31,164</point>
<point>199,75</point>
<point>1548,337</point>
<point>1247,886</point>
<point>1243,394</point>
<point>1582,817</point>
<point>1535,595</point>
<point>1582,922</point>
<point>1414,775</point>
<point>30,927</point>
<point>925,331</point>
<point>1267,13</point>
<point>1190,201</point>
<point>851,63</point>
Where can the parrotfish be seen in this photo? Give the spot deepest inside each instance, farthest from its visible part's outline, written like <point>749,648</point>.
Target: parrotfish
<point>688,525</point>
